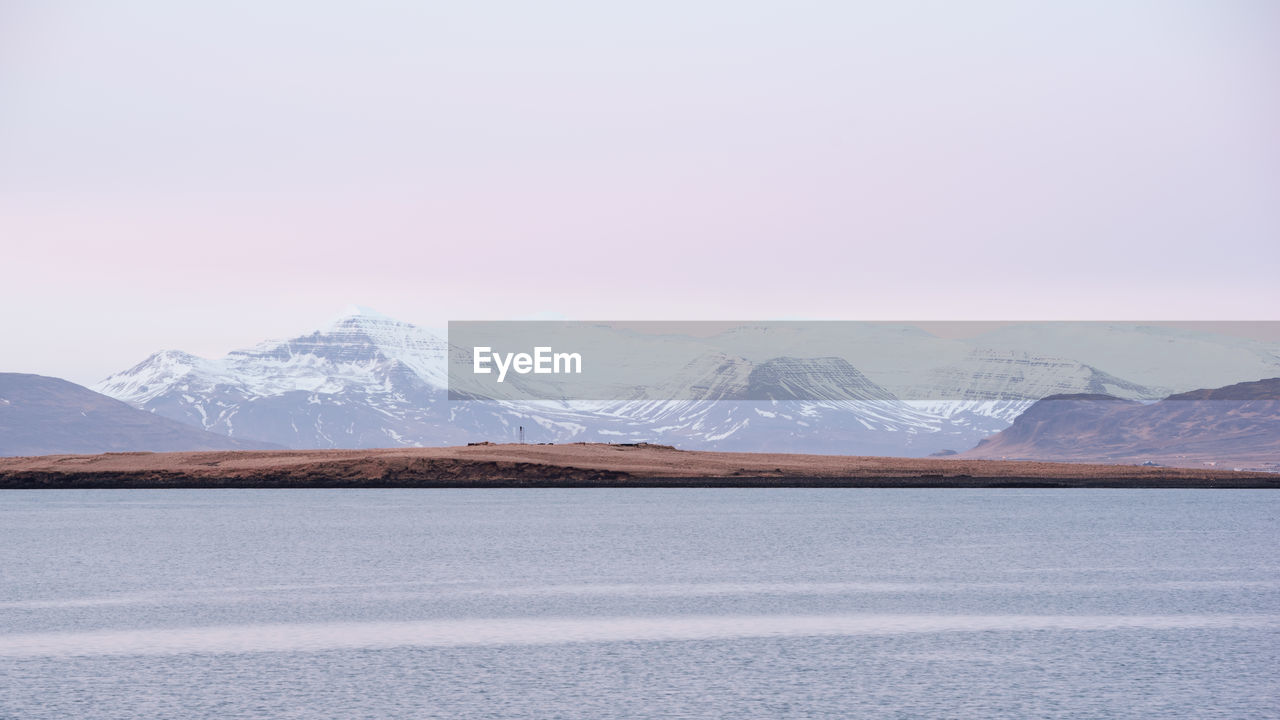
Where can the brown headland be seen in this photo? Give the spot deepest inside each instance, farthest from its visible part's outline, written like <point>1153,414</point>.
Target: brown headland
<point>580,465</point>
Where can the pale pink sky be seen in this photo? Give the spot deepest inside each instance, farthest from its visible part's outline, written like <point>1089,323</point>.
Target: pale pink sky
<point>204,177</point>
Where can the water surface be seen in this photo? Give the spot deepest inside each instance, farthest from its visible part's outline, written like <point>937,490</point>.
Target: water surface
<point>598,603</point>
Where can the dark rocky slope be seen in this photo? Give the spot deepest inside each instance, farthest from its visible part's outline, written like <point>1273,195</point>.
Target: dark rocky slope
<point>43,415</point>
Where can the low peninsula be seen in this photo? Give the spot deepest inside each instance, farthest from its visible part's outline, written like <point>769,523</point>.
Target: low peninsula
<point>582,465</point>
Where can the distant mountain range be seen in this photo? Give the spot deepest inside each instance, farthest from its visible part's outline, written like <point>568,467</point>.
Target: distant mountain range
<point>372,381</point>
<point>43,416</point>
<point>1237,425</point>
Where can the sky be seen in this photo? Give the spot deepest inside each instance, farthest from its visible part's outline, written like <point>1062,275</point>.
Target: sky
<point>203,176</point>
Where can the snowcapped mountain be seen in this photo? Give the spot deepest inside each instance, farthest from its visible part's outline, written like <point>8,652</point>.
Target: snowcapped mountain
<point>366,381</point>
<point>1166,359</point>
<point>372,381</point>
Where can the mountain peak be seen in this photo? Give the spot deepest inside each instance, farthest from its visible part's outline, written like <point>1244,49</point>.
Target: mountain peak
<point>370,322</point>
<point>360,311</point>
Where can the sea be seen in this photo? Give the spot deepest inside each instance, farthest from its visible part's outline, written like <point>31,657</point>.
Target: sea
<point>639,603</point>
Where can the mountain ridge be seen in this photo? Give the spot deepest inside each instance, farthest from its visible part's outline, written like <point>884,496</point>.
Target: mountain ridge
<point>41,415</point>
<point>368,380</point>
<point>1237,424</point>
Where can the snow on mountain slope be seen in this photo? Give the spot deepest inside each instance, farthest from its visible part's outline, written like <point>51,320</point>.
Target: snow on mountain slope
<point>357,349</point>
<point>161,372</point>
<point>1165,358</point>
<point>787,403</point>
<point>371,381</point>
<point>987,389</point>
<point>896,356</point>
<point>365,381</point>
